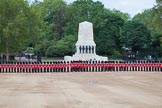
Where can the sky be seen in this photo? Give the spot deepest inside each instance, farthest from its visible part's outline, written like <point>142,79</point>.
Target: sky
<point>132,7</point>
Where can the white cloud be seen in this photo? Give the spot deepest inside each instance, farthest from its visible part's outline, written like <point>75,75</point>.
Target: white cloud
<point>131,7</point>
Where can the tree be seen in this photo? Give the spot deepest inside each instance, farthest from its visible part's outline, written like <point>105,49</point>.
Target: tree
<point>52,12</point>
<point>152,19</point>
<point>135,36</point>
<point>62,47</point>
<point>18,25</point>
<point>107,32</point>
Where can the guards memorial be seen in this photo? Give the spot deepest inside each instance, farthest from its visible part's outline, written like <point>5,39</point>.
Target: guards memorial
<point>85,46</point>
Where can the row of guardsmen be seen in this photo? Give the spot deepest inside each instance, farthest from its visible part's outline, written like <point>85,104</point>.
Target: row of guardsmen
<point>79,66</point>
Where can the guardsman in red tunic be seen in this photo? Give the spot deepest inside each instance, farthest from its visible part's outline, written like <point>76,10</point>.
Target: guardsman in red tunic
<point>70,66</point>
<point>149,66</point>
<point>78,66</point>
<point>146,67</point>
<point>14,67</point>
<point>0,67</point>
<point>18,67</point>
<point>86,65</point>
<point>135,66</point>
<point>21,67</point>
<point>50,67</point>
<point>141,66</point>
<point>53,67</point>
<point>61,66</point>
<point>7,67</point>
<point>28,67</point>
<point>110,66</point>
<point>4,67</point>
<point>25,67</point>
<point>74,66</point>
<point>56,66</point>
<point>94,66</point>
<point>123,66</point>
<point>47,66</point>
<point>158,65</point>
<point>83,66</point>
<point>161,66</point>
<point>99,66</point>
<point>119,65</point>
<point>37,67</point>
<point>107,66</point>
<point>104,66</point>
<point>32,67</point>
<point>44,67</point>
<point>64,66</point>
<point>152,66</point>
<point>89,66</point>
<point>126,66</point>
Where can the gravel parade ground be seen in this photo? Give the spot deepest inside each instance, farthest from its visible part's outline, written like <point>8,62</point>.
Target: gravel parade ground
<point>81,90</point>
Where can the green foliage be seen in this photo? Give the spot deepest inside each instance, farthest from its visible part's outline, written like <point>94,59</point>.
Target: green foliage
<point>19,24</point>
<point>51,26</point>
<point>152,19</point>
<point>107,32</point>
<point>62,47</point>
<point>135,36</point>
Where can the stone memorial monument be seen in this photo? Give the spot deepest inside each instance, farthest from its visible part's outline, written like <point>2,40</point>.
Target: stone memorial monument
<point>85,46</point>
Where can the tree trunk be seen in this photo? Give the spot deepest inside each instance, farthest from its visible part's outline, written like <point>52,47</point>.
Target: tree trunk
<point>7,51</point>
